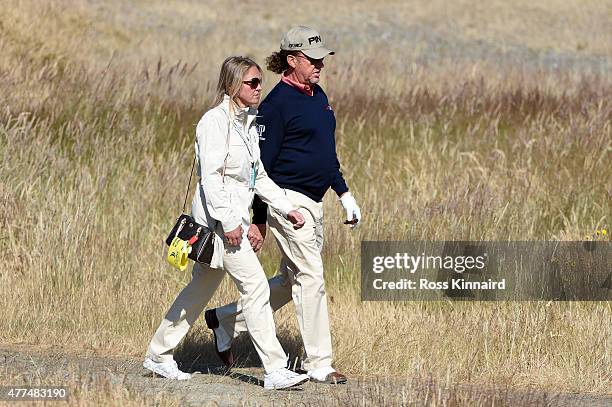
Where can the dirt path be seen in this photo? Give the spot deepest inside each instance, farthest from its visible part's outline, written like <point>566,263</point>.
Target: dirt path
<point>214,386</point>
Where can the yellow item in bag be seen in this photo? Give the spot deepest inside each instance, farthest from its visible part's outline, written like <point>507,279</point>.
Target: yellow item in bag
<point>178,252</point>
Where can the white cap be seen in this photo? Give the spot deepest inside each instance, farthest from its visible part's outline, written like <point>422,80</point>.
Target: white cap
<point>307,40</point>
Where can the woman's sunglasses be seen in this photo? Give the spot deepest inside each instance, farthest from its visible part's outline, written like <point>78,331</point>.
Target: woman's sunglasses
<point>253,83</point>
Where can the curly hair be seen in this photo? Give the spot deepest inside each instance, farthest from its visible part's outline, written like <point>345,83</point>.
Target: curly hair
<point>277,62</point>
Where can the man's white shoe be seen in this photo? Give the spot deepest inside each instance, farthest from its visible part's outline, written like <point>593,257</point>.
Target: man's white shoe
<point>283,379</point>
<point>320,374</point>
<point>326,374</point>
<point>168,370</point>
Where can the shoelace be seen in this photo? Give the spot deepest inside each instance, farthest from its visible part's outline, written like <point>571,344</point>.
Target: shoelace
<point>281,373</point>
<point>289,374</point>
<point>174,368</point>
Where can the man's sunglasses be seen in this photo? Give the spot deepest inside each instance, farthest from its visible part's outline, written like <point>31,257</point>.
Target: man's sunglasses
<point>311,60</point>
<point>253,83</point>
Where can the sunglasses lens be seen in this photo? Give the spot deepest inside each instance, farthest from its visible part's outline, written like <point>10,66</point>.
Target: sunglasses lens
<point>311,60</point>
<point>253,83</point>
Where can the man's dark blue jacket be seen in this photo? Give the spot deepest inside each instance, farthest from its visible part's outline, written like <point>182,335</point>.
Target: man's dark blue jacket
<point>298,145</point>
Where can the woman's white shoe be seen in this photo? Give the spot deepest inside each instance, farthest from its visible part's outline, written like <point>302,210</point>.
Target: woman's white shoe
<point>283,379</point>
<point>168,370</point>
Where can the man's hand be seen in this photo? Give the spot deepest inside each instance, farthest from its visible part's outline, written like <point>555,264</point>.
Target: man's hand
<point>353,213</point>
<point>256,235</point>
<point>262,229</point>
<point>234,238</point>
<point>296,218</point>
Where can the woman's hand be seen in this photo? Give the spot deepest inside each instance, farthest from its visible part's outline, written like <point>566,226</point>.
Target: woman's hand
<point>296,218</point>
<point>234,238</point>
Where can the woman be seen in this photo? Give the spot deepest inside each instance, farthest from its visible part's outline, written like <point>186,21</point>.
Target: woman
<point>230,174</point>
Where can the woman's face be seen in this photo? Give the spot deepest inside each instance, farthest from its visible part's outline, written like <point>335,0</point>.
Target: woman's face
<point>250,91</point>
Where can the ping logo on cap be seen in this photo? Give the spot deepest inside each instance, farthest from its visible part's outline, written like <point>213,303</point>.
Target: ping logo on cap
<point>298,45</point>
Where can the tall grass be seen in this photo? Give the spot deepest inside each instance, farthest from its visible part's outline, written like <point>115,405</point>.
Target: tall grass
<point>96,134</point>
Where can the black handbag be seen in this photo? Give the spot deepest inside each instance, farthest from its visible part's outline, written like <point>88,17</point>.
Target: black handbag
<point>200,238</point>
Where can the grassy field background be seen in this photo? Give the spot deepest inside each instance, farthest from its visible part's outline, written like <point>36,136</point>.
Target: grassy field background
<point>461,120</point>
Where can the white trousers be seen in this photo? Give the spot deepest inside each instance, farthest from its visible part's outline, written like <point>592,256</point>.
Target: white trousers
<point>242,265</point>
<point>300,278</point>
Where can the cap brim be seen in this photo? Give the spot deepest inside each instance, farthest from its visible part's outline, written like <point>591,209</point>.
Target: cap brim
<point>317,53</point>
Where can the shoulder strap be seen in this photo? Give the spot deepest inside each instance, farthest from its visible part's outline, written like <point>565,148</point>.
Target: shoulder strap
<point>229,125</point>
<point>229,122</point>
<point>189,184</point>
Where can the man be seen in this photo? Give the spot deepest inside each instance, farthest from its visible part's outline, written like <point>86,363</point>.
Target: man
<point>298,150</point>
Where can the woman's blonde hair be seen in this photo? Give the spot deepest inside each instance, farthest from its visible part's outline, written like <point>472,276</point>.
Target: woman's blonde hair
<point>233,70</point>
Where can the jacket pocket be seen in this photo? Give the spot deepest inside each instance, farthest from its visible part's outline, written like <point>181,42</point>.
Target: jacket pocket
<point>237,159</point>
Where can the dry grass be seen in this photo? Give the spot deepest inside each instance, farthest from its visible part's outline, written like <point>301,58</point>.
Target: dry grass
<point>85,389</point>
<point>99,105</point>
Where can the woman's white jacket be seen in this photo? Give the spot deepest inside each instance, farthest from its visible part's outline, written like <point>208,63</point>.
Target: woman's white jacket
<point>224,202</point>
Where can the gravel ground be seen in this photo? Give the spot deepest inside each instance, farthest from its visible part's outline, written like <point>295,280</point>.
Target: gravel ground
<point>212,385</point>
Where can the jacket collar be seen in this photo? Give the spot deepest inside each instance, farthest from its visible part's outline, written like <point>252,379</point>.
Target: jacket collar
<point>305,89</point>
<point>241,115</point>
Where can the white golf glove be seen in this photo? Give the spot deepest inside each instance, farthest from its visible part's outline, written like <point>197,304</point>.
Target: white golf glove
<point>353,214</point>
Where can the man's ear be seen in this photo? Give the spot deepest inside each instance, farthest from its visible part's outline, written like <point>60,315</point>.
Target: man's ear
<point>291,60</point>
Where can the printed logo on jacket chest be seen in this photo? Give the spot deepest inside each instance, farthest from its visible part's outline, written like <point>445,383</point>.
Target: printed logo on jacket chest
<point>260,131</point>
<point>328,107</point>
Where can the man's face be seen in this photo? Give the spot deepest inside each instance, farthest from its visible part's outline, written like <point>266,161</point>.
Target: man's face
<point>307,70</point>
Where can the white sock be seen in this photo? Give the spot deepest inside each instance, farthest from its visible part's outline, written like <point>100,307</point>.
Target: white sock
<point>224,341</point>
